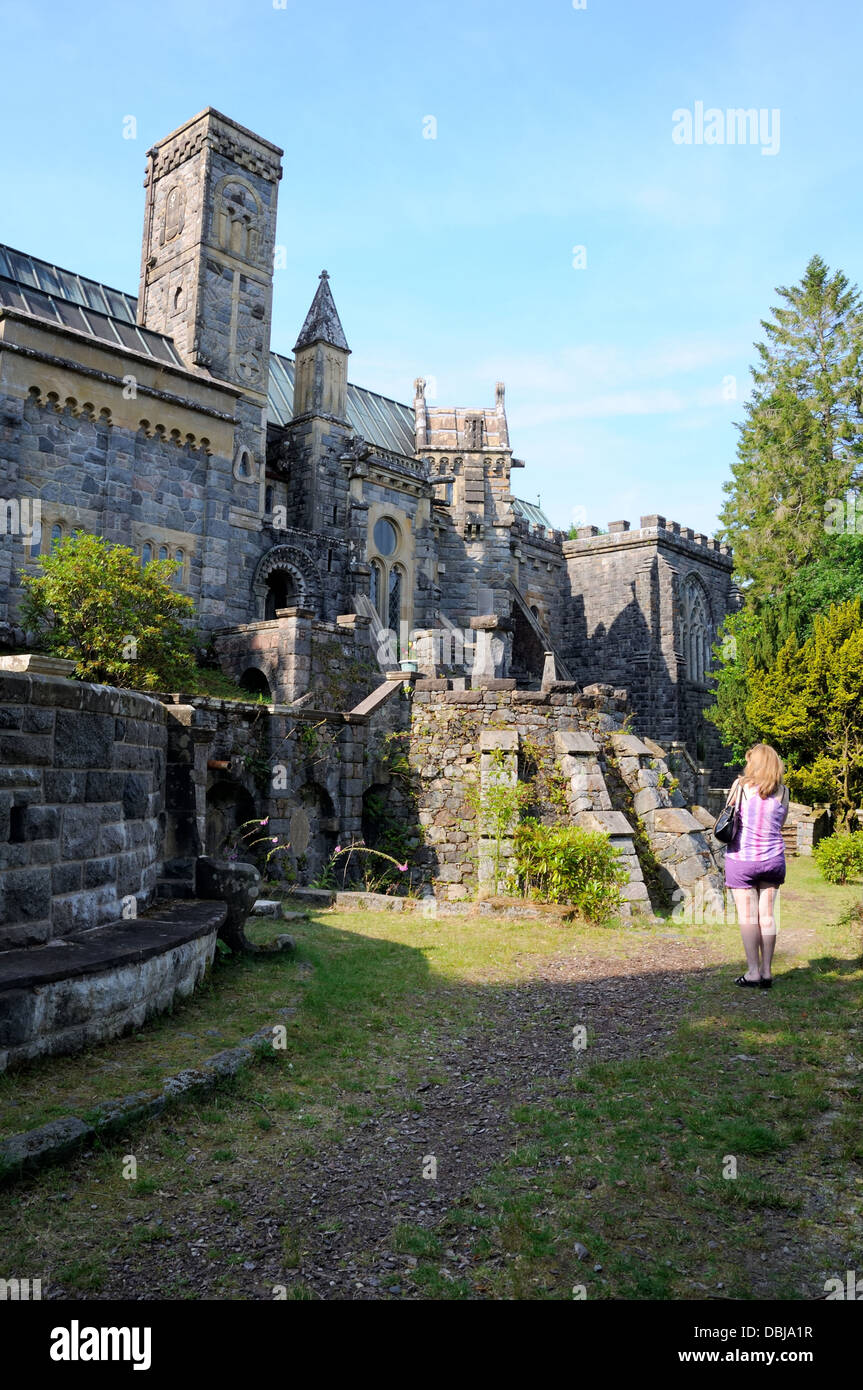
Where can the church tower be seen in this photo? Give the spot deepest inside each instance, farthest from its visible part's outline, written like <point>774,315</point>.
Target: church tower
<point>207,261</point>
<point>319,429</point>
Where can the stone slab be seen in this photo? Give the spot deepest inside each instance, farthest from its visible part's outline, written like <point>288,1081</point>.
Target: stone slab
<point>37,664</point>
<point>317,897</point>
<point>630,746</point>
<point>611,822</point>
<point>673,820</point>
<point>572,741</point>
<point>114,945</point>
<point>654,747</point>
<point>505,740</point>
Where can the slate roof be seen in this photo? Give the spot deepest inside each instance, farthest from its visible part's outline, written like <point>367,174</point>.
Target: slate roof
<point>322,324</point>
<point>45,291</point>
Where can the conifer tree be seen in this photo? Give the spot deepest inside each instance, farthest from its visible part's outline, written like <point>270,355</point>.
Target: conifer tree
<point>801,444</point>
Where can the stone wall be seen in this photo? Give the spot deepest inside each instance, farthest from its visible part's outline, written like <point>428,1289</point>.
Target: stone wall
<point>81,802</point>
<point>329,664</point>
<point>632,596</point>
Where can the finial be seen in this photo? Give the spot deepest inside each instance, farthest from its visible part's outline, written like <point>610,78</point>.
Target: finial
<point>499,390</point>
<point>325,275</point>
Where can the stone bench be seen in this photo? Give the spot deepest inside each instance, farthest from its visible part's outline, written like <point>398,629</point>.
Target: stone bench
<point>67,995</point>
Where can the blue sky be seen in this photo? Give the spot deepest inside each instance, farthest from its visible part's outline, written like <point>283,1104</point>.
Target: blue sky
<point>452,257</point>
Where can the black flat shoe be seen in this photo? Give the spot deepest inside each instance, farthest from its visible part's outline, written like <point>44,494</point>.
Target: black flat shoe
<point>747,984</point>
<point>766,984</point>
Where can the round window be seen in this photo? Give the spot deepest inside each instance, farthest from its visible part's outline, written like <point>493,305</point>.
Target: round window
<point>386,537</point>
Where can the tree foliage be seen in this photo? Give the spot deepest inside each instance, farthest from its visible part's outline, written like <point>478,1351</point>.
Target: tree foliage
<point>808,703</point>
<point>121,622</point>
<point>801,444</point>
<point>752,639</point>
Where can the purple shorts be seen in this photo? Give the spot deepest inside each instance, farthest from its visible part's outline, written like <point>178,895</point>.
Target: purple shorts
<point>755,873</point>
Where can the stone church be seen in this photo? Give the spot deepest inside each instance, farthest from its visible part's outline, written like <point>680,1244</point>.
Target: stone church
<point>308,514</point>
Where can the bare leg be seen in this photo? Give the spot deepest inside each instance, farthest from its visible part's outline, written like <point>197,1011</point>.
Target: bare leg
<point>767,927</point>
<point>746,902</point>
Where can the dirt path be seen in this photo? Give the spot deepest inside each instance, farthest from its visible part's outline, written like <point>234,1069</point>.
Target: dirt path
<point>341,1204</point>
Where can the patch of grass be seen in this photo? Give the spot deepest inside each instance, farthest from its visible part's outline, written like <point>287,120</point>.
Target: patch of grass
<point>382,997</point>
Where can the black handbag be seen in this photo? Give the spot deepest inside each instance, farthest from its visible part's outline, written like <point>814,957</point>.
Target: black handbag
<point>728,820</point>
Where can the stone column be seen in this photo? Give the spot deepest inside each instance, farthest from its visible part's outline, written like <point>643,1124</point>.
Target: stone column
<point>493,647</point>
<point>498,769</point>
<point>294,673</point>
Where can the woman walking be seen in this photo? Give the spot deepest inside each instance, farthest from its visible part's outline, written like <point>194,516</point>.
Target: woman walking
<point>755,859</point>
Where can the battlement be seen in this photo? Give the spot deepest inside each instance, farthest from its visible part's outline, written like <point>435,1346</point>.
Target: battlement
<point>654,528</point>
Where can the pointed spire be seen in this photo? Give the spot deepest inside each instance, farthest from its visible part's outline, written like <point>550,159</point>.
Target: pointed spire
<point>322,324</point>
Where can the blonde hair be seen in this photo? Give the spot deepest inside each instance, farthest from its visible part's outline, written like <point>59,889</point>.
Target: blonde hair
<point>764,769</point>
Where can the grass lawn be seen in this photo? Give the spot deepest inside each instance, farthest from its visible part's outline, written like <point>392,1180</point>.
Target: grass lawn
<point>622,1163</point>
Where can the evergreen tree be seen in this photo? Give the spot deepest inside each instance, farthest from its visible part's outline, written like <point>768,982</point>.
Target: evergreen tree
<point>801,445</point>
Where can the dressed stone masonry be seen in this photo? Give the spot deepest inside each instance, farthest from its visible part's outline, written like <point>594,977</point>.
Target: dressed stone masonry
<point>328,535</point>
<point>168,423</point>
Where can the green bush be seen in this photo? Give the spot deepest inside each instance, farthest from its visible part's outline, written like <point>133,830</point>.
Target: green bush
<point>122,622</point>
<point>564,864</point>
<point>840,856</point>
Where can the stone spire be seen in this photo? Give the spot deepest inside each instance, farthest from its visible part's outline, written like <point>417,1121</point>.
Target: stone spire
<point>322,324</point>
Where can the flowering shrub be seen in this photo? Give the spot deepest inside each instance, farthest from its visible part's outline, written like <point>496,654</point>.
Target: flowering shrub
<point>840,857</point>
<point>382,881</point>
<point>240,840</point>
<point>565,864</point>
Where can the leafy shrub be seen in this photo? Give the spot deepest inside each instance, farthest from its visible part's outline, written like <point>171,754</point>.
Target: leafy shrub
<point>840,856</point>
<point>565,864</point>
<point>121,622</point>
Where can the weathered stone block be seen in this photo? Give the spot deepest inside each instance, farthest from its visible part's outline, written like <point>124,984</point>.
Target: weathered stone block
<point>573,742</point>
<point>84,739</point>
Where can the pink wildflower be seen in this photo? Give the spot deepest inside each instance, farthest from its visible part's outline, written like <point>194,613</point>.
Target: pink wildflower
<point>403,868</point>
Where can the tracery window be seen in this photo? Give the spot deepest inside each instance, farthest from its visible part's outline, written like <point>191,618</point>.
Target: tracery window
<point>696,632</point>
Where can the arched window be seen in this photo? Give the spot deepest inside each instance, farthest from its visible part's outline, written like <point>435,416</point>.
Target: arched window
<point>56,535</point>
<point>376,586</point>
<point>696,631</point>
<point>244,464</point>
<point>163,552</point>
<point>394,604</point>
<point>146,553</point>
<point>180,574</point>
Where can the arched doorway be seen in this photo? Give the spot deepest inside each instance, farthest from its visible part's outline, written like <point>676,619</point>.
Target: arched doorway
<point>255,682</point>
<point>281,592</point>
<point>229,806</point>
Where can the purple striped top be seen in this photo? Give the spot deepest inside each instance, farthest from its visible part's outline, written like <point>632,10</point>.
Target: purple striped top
<point>761,822</point>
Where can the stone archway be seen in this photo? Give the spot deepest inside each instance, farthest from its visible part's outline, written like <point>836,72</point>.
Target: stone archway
<point>286,572</point>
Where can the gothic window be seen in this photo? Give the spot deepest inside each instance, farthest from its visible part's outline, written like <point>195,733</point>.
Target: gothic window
<point>146,553</point>
<point>180,574</point>
<point>56,535</point>
<point>375,586</point>
<point>268,499</point>
<point>696,632</point>
<point>394,606</point>
<point>163,552</point>
<point>243,466</point>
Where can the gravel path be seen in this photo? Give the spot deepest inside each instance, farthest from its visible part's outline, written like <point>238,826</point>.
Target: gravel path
<point>342,1203</point>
